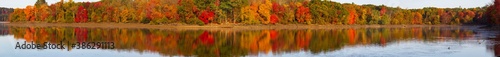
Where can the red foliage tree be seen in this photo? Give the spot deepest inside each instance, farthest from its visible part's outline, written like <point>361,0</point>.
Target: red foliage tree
<point>81,15</point>
<point>179,2</point>
<point>445,16</point>
<point>278,11</point>
<point>78,14</point>
<point>206,16</point>
<point>274,19</point>
<point>493,13</point>
<point>277,8</point>
<point>97,4</point>
<point>383,10</point>
<point>461,15</point>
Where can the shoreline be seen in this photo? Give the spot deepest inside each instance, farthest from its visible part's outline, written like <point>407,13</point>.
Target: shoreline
<point>213,26</point>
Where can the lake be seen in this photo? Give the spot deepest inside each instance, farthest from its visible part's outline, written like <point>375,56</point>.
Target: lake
<point>446,41</point>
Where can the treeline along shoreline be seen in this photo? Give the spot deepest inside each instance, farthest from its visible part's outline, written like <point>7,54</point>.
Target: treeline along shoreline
<point>247,12</point>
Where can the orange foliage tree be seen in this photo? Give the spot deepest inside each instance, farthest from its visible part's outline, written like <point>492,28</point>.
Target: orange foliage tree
<point>417,19</point>
<point>44,12</point>
<point>469,15</point>
<point>303,15</point>
<point>29,11</point>
<point>352,16</point>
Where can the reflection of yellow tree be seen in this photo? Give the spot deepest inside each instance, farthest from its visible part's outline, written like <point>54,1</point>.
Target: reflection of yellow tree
<point>249,41</point>
<point>362,33</point>
<point>265,41</point>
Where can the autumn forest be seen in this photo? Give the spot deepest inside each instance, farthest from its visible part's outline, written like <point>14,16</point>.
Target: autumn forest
<point>202,12</point>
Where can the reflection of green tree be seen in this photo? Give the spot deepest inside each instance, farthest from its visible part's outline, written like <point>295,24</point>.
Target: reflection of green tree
<point>229,43</point>
<point>325,41</point>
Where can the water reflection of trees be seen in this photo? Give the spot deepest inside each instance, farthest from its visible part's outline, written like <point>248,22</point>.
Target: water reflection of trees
<point>235,43</point>
<point>4,30</point>
<point>493,45</point>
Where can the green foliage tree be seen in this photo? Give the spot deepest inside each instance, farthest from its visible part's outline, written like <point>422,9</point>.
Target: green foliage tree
<point>322,11</point>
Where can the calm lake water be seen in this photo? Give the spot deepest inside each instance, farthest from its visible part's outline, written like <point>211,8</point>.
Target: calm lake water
<point>468,41</point>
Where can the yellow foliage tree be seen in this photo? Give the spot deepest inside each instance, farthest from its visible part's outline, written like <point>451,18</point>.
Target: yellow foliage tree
<point>249,14</point>
<point>265,11</point>
<point>124,15</point>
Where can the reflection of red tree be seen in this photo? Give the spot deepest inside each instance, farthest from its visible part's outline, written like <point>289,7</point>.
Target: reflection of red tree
<point>445,33</point>
<point>496,47</point>
<point>352,36</point>
<point>274,34</point>
<point>149,42</point>
<point>382,40</point>
<point>81,34</point>
<point>206,38</point>
<point>274,38</point>
<point>461,35</point>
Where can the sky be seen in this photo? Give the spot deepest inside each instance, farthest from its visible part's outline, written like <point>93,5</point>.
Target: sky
<point>414,4</point>
<point>24,3</point>
<point>407,4</point>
